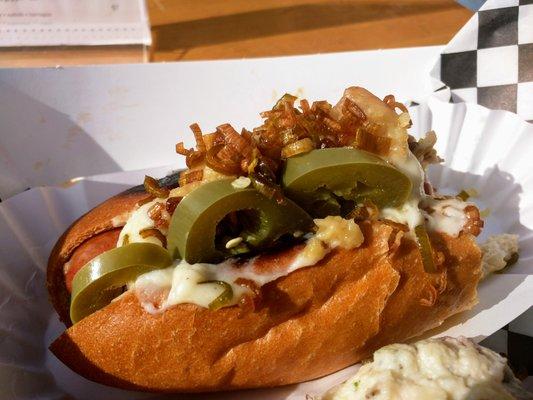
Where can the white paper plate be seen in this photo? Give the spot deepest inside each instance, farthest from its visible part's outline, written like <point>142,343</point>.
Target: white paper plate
<point>486,150</point>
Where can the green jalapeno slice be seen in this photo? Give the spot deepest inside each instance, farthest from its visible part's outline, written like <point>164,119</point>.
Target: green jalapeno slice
<point>104,277</point>
<point>424,245</point>
<point>319,181</point>
<point>214,214</point>
<point>224,298</point>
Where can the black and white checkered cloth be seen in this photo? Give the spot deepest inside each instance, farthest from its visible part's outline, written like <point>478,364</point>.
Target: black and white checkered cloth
<point>490,60</point>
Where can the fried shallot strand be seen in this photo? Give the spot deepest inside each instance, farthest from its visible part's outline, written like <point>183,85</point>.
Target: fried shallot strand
<point>224,166</point>
<point>180,149</point>
<point>155,212</point>
<point>198,137</point>
<point>354,109</point>
<point>474,223</point>
<point>190,175</point>
<point>249,301</point>
<point>431,298</point>
<point>152,187</point>
<point>391,102</point>
<point>146,200</point>
<point>286,131</point>
<point>155,233</point>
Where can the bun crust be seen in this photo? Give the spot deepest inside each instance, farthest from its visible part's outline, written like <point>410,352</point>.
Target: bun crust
<point>310,323</point>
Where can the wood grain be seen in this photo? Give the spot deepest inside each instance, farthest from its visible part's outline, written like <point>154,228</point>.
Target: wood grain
<point>16,57</point>
<point>217,29</point>
<point>214,29</point>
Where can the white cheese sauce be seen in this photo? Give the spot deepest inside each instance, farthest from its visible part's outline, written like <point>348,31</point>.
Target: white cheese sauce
<point>447,215</point>
<point>332,232</point>
<point>138,221</point>
<point>433,369</point>
<point>186,283</point>
<point>121,219</point>
<point>408,214</point>
<point>441,215</point>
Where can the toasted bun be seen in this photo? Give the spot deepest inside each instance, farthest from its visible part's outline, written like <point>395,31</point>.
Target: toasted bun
<point>310,323</point>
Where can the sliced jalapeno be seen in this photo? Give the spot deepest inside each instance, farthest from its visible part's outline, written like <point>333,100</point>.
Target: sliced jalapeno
<point>195,228</point>
<point>224,298</point>
<point>103,278</point>
<point>426,252</point>
<point>322,177</point>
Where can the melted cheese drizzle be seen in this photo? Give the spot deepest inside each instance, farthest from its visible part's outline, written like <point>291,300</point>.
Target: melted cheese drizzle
<point>448,216</point>
<point>441,215</point>
<point>186,283</point>
<point>333,231</point>
<point>138,221</point>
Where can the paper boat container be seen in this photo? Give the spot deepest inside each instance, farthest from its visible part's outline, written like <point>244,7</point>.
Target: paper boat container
<point>486,150</point>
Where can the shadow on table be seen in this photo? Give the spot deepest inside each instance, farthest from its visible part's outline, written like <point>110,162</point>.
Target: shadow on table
<point>277,21</point>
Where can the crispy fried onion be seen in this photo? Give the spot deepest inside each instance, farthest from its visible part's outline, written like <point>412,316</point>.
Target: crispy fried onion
<point>365,211</point>
<point>155,233</point>
<point>171,204</point>
<point>423,149</point>
<point>199,138</point>
<point>146,200</point>
<point>225,166</point>
<point>190,175</point>
<point>391,102</point>
<point>234,154</point>
<point>157,213</point>
<point>152,187</point>
<point>299,147</point>
<point>395,240</point>
<point>370,140</point>
<point>396,225</point>
<point>433,290</point>
<point>397,233</point>
<point>369,136</point>
<point>286,132</point>
<point>351,107</point>
<point>249,302</point>
<point>474,223</point>
<point>193,157</point>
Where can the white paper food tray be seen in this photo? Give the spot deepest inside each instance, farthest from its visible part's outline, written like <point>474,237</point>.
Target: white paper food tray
<point>484,149</point>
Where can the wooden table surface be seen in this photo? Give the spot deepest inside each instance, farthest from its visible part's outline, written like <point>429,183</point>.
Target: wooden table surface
<point>215,29</point>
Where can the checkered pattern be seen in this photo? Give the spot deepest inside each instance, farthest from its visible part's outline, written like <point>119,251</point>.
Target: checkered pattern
<point>517,348</point>
<point>490,60</point>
